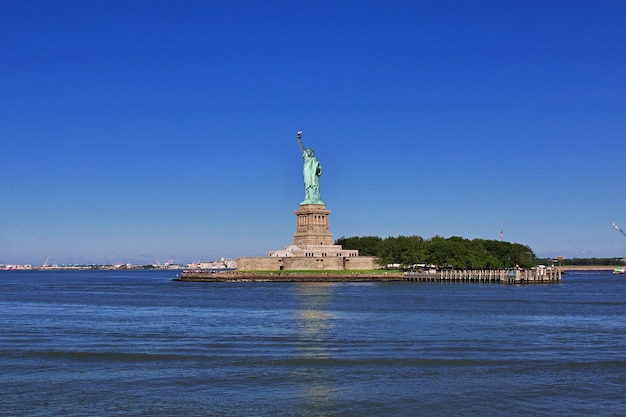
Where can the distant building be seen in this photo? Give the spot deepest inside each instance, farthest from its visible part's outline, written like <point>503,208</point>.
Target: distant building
<point>15,267</point>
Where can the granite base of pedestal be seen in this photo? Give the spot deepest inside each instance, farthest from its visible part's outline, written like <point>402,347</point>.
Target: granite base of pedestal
<point>304,263</point>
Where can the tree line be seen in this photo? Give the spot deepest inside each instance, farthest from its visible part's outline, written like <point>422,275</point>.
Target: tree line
<point>453,252</point>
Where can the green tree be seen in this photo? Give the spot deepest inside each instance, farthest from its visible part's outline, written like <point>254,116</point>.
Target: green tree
<point>456,252</point>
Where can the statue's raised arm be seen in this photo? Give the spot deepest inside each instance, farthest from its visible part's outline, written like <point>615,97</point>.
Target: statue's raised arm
<point>300,141</point>
<point>311,170</point>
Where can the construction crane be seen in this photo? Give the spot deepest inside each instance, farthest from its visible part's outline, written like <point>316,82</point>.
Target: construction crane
<point>619,229</point>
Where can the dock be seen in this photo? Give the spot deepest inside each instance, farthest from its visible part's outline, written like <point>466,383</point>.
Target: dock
<point>503,276</point>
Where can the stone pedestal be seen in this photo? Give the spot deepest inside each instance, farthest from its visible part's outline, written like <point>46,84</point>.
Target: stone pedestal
<point>313,248</point>
<point>312,227</point>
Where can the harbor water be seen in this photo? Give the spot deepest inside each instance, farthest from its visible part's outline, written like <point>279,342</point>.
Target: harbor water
<point>137,343</point>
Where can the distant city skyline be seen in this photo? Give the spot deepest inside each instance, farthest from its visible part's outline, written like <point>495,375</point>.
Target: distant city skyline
<point>136,132</point>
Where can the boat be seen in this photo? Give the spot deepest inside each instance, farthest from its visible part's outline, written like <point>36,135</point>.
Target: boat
<point>619,270</point>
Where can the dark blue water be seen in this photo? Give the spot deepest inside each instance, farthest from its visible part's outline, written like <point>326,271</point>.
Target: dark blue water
<point>136,343</point>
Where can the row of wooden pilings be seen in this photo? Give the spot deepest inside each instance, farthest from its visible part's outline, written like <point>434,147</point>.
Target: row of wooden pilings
<point>501,276</point>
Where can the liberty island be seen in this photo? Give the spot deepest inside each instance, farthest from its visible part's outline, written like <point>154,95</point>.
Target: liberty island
<point>315,257</point>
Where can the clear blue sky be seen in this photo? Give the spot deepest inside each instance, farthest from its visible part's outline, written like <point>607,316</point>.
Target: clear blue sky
<point>142,131</point>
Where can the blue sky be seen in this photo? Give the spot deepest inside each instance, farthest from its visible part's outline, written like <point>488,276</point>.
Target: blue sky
<point>144,131</point>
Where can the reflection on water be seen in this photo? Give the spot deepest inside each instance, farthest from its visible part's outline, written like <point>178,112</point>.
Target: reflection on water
<point>314,319</point>
<point>313,342</point>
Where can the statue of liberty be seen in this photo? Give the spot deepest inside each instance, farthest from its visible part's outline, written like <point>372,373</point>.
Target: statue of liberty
<point>312,170</point>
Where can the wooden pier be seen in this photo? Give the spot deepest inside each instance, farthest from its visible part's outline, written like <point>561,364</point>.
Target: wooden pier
<point>504,276</point>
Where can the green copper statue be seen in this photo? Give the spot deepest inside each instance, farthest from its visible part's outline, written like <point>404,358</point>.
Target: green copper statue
<point>312,170</point>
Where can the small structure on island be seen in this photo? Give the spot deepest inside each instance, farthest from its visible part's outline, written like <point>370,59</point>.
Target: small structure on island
<point>313,247</point>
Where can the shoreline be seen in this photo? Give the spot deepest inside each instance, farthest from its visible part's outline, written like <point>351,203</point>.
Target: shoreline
<point>503,276</point>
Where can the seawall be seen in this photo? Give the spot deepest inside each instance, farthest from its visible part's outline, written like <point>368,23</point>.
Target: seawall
<point>381,276</point>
